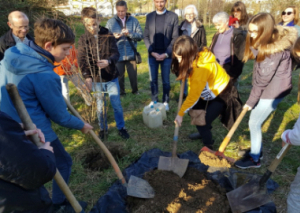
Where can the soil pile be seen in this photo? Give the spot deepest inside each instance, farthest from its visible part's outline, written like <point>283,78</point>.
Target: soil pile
<point>211,159</point>
<point>191,194</point>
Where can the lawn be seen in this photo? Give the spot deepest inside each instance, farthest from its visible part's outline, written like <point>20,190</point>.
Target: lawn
<point>89,185</point>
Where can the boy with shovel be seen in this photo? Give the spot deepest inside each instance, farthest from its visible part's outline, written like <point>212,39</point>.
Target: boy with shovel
<point>30,66</point>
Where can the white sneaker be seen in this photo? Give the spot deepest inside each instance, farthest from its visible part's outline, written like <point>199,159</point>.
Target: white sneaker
<point>167,106</point>
<point>151,103</point>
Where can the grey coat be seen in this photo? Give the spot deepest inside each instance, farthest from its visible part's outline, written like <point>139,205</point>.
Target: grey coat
<point>135,34</point>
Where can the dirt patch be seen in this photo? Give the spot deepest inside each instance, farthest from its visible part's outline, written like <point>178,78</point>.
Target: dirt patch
<point>211,159</point>
<point>191,194</point>
<point>95,159</point>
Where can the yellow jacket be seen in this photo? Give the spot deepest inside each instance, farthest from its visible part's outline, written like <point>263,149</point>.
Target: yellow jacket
<point>207,80</point>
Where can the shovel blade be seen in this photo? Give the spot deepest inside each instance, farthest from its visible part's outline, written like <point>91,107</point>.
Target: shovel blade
<point>137,187</point>
<point>174,164</point>
<point>217,153</point>
<point>247,197</point>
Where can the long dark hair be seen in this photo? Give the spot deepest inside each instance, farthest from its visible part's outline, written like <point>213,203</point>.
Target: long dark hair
<point>186,47</point>
<point>240,6</point>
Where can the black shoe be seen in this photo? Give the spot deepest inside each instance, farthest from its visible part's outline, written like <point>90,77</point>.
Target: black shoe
<point>136,93</point>
<point>195,136</point>
<point>123,133</point>
<point>247,162</point>
<point>101,134</point>
<point>66,207</point>
<point>244,153</point>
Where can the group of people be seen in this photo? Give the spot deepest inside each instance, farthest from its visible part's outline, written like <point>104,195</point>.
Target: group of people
<point>104,53</point>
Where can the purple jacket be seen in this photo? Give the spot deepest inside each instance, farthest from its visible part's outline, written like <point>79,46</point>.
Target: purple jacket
<point>272,78</point>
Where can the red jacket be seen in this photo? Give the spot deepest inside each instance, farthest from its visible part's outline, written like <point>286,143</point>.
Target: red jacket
<point>65,65</point>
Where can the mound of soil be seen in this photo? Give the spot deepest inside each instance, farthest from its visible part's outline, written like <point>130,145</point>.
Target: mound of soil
<point>211,159</point>
<point>191,194</point>
<point>96,160</point>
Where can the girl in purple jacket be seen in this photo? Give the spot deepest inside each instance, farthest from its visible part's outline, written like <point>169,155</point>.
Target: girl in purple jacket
<point>270,46</point>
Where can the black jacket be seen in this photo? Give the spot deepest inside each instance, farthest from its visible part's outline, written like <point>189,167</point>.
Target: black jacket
<point>87,55</point>
<point>24,167</point>
<point>7,41</point>
<point>170,28</point>
<point>200,35</point>
<point>237,48</point>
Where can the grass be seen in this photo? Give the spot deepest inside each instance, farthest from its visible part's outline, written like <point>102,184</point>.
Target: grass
<point>90,185</point>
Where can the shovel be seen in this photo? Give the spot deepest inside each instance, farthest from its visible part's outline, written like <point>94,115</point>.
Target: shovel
<point>174,164</point>
<point>28,125</point>
<point>253,194</point>
<point>136,187</point>
<point>226,140</point>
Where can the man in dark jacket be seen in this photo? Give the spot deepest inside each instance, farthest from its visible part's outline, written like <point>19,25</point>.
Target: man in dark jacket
<point>97,51</point>
<point>19,27</point>
<point>24,169</point>
<point>161,31</point>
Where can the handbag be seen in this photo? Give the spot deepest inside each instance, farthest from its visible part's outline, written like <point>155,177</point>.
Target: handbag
<point>198,116</point>
<point>138,58</point>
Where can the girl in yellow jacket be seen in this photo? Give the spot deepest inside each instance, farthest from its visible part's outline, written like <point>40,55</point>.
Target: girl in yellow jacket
<point>210,86</point>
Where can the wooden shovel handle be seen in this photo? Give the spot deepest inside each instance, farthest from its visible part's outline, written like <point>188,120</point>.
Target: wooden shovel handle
<point>232,130</point>
<point>101,144</point>
<point>28,125</point>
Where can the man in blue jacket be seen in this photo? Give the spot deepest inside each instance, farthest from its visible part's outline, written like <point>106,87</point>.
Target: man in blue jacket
<point>161,31</point>
<point>30,66</point>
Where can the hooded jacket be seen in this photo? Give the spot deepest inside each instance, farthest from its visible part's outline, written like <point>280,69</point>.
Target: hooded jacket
<point>87,55</point>
<point>200,35</point>
<point>39,87</point>
<point>272,78</point>
<point>135,34</point>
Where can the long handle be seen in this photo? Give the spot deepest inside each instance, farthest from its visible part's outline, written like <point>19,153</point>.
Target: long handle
<point>232,130</point>
<point>274,164</point>
<point>175,139</point>
<point>28,125</point>
<point>102,146</point>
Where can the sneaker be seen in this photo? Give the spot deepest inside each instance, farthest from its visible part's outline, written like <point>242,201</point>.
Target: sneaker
<point>167,106</point>
<point>151,103</point>
<point>123,133</point>
<point>243,153</point>
<point>101,134</point>
<point>195,136</point>
<point>247,162</point>
<point>136,93</point>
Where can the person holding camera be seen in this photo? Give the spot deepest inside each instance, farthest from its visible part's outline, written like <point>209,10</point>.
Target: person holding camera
<point>127,31</point>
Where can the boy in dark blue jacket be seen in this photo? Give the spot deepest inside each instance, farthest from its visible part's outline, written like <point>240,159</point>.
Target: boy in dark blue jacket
<point>30,67</point>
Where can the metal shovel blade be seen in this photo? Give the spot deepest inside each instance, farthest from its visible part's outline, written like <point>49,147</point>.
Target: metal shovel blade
<point>174,164</point>
<point>137,187</point>
<point>247,197</point>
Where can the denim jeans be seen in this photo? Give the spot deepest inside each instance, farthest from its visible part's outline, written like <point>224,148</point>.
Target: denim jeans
<point>113,89</point>
<point>258,115</point>
<point>63,164</point>
<point>165,67</point>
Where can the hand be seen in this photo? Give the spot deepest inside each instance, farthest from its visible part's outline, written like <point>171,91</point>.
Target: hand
<point>102,64</point>
<point>249,108</point>
<point>125,32</point>
<point>155,55</point>
<point>89,83</point>
<point>283,144</point>
<point>162,57</point>
<point>117,35</point>
<point>33,132</point>
<point>178,120</point>
<point>47,146</point>
<point>236,25</point>
<point>86,128</point>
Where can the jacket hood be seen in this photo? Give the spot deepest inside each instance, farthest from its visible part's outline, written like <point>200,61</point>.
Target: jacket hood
<point>22,60</point>
<point>205,56</point>
<point>288,36</point>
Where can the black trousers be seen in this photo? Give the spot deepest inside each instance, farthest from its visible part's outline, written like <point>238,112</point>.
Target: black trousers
<point>132,74</point>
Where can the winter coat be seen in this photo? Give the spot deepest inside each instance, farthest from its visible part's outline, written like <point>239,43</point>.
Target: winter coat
<point>64,67</point>
<point>237,48</point>
<point>24,167</point>
<point>7,41</point>
<point>39,88</point>
<point>115,25</point>
<point>200,35</point>
<point>87,55</point>
<point>272,78</point>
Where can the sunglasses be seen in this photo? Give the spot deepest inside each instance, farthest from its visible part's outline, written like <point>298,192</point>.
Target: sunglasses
<point>287,13</point>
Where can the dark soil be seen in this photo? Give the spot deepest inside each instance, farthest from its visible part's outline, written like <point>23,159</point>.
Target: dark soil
<point>211,159</point>
<point>192,193</point>
<point>95,159</point>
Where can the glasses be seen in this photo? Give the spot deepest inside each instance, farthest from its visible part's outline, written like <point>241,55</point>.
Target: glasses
<point>190,14</point>
<point>252,32</point>
<point>287,13</point>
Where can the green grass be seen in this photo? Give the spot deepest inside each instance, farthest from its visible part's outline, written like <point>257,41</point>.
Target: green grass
<point>90,185</point>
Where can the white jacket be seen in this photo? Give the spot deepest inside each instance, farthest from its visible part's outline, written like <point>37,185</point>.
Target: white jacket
<point>292,136</point>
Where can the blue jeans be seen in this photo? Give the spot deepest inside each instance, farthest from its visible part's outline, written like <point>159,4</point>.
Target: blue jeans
<point>258,115</point>
<point>63,164</point>
<point>113,89</point>
<point>165,67</point>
